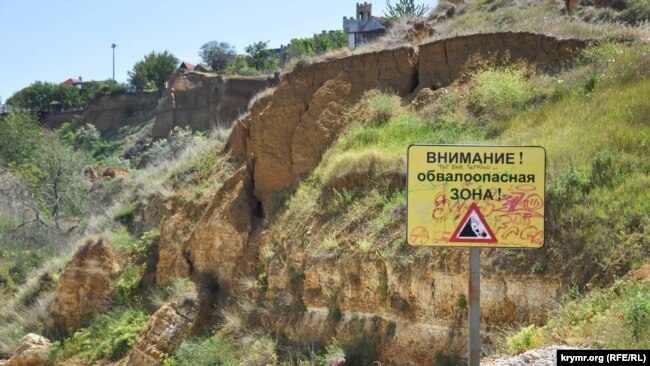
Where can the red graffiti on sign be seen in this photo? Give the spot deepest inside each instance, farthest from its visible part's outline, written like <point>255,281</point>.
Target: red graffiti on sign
<point>419,235</point>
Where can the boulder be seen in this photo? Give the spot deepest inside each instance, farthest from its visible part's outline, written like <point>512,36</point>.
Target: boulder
<point>164,332</point>
<point>86,286</point>
<point>33,350</point>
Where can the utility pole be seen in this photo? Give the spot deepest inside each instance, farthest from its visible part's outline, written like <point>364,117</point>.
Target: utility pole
<point>113,47</point>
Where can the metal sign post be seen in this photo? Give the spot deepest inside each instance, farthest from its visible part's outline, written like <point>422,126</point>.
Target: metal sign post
<point>474,339</point>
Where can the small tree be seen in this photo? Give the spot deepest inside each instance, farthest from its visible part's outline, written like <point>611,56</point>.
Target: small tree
<point>404,8</point>
<point>330,41</point>
<point>261,58</point>
<point>153,71</point>
<point>217,55</point>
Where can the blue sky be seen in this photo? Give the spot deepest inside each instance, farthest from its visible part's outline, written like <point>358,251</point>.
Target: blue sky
<point>53,40</point>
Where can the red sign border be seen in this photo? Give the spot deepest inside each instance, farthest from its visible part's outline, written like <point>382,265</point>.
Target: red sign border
<point>463,222</point>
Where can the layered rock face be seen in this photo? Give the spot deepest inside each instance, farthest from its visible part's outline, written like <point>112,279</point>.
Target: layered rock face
<point>111,111</point>
<point>443,61</point>
<point>86,286</point>
<point>409,313</point>
<point>164,332</point>
<point>205,101</point>
<point>114,111</point>
<point>285,135</point>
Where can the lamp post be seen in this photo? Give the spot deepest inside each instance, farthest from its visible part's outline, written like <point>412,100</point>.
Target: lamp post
<point>113,47</point>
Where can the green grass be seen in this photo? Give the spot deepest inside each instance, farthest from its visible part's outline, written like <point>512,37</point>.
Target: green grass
<point>127,285</point>
<point>577,128</point>
<point>207,352</point>
<point>500,93</point>
<point>124,242</point>
<point>108,337</point>
<point>613,318</point>
<point>124,211</point>
<point>402,130</point>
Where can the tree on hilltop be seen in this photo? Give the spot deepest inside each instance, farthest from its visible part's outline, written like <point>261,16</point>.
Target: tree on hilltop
<point>153,71</point>
<point>261,58</point>
<point>217,55</point>
<point>404,8</point>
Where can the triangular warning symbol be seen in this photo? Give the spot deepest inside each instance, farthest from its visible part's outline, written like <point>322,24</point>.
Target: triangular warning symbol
<point>473,228</point>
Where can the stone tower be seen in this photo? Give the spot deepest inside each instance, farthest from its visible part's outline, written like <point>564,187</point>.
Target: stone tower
<point>364,11</point>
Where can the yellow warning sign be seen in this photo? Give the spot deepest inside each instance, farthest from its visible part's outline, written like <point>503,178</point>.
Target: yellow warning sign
<point>476,196</point>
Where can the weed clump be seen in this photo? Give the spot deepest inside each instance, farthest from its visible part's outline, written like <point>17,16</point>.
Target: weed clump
<point>500,93</point>
<point>108,337</point>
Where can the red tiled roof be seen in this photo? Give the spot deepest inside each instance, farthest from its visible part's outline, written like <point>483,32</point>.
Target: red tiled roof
<point>72,81</point>
<point>187,65</point>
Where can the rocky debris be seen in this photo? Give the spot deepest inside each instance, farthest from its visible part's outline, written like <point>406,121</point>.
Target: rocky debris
<point>641,274</point>
<point>33,350</point>
<point>163,333</point>
<point>85,288</point>
<point>112,172</point>
<point>90,173</point>
<point>545,356</point>
<point>139,147</point>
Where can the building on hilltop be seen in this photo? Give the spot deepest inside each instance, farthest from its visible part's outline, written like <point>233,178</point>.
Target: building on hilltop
<point>365,27</point>
<point>78,83</point>
<point>187,66</point>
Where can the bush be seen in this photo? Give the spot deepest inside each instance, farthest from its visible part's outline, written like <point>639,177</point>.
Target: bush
<point>108,337</point>
<point>127,285</point>
<point>382,107</point>
<point>527,338</point>
<point>614,318</point>
<point>169,148</point>
<point>636,314</point>
<point>617,63</point>
<point>500,93</point>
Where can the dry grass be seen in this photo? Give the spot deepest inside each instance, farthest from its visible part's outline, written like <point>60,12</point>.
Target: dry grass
<point>160,178</point>
<point>266,93</point>
<point>537,17</point>
<point>369,162</point>
<point>179,291</point>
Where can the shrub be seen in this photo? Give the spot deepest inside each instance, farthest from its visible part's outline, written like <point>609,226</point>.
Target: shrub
<point>527,338</point>
<point>333,352</point>
<point>382,106</point>
<point>124,212</point>
<point>108,337</point>
<point>167,149</point>
<point>636,314</point>
<point>261,352</point>
<point>500,93</point>
<point>127,285</point>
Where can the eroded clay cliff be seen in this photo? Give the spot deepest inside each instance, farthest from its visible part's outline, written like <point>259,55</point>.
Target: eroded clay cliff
<point>204,101</point>
<point>408,314</point>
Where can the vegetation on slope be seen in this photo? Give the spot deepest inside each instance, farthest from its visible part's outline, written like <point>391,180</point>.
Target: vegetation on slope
<point>592,120</point>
